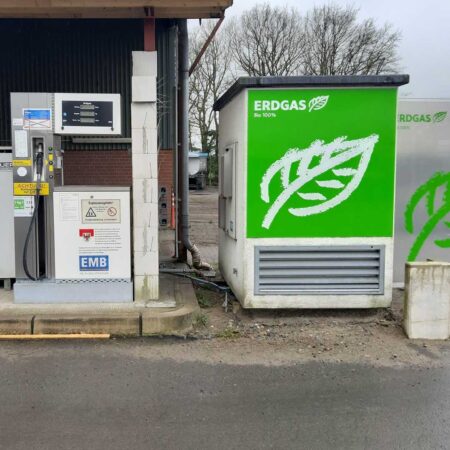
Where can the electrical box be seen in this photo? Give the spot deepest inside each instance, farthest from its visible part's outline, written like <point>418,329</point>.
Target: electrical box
<point>88,114</point>
<point>92,233</point>
<point>7,260</point>
<point>307,184</point>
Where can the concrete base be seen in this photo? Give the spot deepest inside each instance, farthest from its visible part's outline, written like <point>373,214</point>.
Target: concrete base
<point>110,291</point>
<point>238,266</point>
<point>171,314</point>
<point>427,300</point>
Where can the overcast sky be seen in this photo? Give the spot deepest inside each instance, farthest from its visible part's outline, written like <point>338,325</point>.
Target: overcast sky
<point>425,45</point>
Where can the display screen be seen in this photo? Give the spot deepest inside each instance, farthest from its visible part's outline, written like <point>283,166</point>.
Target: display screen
<point>86,113</point>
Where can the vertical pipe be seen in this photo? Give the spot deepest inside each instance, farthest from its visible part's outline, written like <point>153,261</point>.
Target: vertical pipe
<point>183,146</point>
<point>183,137</point>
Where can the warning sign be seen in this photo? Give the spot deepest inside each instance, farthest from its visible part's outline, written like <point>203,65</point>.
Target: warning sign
<point>37,119</point>
<point>21,162</point>
<point>86,233</point>
<point>91,213</point>
<point>100,211</point>
<point>30,189</point>
<point>23,206</point>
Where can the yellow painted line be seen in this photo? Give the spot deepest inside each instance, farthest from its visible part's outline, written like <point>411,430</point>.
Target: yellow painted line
<point>22,162</point>
<point>8,337</point>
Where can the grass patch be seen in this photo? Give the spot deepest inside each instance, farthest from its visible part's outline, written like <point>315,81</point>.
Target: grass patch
<point>200,320</point>
<point>229,333</point>
<point>204,298</point>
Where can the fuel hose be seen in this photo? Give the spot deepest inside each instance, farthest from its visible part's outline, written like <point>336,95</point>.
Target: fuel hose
<point>33,222</point>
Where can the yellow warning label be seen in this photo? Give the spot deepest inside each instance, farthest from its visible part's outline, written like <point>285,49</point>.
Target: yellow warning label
<point>22,162</point>
<point>30,189</point>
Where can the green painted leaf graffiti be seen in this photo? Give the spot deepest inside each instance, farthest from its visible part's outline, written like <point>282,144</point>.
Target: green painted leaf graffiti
<point>317,160</point>
<point>436,213</point>
<point>443,243</point>
<point>439,116</point>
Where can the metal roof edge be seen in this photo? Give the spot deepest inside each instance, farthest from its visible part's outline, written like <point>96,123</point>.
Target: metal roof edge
<point>309,81</point>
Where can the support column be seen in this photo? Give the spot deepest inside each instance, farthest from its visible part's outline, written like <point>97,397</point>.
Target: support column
<point>150,34</point>
<point>145,177</point>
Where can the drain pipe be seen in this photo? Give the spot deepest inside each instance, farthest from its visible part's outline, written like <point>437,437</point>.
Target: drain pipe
<point>183,139</point>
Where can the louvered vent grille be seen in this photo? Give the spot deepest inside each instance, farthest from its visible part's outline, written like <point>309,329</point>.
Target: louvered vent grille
<point>319,270</point>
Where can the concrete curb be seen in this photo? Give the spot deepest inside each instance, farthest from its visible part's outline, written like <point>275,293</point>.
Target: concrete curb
<point>114,324</point>
<point>142,321</point>
<point>170,322</point>
<point>16,324</point>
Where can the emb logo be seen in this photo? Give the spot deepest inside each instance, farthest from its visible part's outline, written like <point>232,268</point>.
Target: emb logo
<point>94,263</point>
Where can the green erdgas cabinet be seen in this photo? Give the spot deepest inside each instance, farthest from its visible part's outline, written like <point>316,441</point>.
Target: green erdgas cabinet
<point>307,180</point>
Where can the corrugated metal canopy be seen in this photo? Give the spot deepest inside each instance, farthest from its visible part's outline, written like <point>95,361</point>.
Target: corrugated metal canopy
<point>90,9</point>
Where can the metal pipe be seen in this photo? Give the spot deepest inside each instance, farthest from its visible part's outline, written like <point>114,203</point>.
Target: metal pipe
<point>183,140</point>
<point>206,45</point>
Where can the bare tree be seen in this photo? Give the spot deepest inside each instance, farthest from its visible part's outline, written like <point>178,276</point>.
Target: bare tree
<point>208,82</point>
<point>336,44</point>
<point>267,40</point>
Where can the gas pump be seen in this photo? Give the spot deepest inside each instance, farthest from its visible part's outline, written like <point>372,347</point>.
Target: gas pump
<point>55,262</point>
<point>39,164</point>
<point>37,170</point>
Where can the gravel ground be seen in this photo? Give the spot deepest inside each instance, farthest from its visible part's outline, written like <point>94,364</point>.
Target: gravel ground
<point>353,336</point>
<point>373,336</point>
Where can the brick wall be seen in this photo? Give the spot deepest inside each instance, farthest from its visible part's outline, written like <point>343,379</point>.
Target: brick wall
<point>166,177</point>
<point>97,167</point>
<point>113,168</point>
<point>165,168</point>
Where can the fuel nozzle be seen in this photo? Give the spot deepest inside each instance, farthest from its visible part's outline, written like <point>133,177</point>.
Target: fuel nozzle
<point>39,159</point>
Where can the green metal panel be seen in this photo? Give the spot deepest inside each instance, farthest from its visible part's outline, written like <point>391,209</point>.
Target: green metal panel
<point>321,162</point>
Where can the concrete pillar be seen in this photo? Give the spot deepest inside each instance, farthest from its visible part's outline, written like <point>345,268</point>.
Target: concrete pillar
<point>426,310</point>
<point>145,177</point>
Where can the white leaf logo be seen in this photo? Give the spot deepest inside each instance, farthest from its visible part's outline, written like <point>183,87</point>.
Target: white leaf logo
<point>336,182</point>
<point>318,102</point>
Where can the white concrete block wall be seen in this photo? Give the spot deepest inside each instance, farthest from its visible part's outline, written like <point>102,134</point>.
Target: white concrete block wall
<point>145,177</point>
<point>426,310</point>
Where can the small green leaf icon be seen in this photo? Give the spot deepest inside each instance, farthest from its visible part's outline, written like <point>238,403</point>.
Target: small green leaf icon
<point>439,116</point>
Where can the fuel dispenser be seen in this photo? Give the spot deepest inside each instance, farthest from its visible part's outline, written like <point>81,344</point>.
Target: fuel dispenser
<point>72,243</point>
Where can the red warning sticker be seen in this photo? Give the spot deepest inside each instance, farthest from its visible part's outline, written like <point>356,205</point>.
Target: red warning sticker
<point>86,233</point>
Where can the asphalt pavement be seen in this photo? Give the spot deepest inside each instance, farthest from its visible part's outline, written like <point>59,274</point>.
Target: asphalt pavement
<point>136,394</point>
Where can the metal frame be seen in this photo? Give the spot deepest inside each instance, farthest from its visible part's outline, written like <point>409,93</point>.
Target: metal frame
<point>379,291</point>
